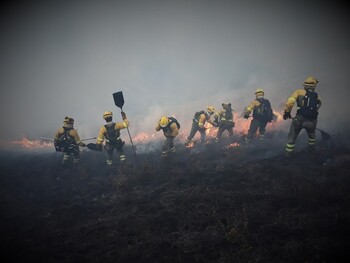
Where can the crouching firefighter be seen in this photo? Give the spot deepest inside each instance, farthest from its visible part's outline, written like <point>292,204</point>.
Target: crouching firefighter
<point>67,140</point>
<point>262,114</point>
<point>308,102</point>
<point>199,119</point>
<point>110,134</point>
<point>170,127</point>
<point>224,120</point>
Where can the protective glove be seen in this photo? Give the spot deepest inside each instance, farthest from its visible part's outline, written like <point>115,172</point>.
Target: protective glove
<point>246,115</point>
<point>123,115</point>
<point>126,123</point>
<point>286,115</point>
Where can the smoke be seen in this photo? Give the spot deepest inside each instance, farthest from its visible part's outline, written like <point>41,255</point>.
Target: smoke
<point>169,58</point>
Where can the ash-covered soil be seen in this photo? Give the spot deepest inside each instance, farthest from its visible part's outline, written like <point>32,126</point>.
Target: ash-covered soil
<point>205,204</point>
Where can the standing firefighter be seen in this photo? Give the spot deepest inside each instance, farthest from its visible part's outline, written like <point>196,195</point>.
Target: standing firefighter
<point>67,140</point>
<point>110,133</point>
<point>170,127</point>
<point>198,122</point>
<point>262,114</point>
<point>308,102</point>
<point>224,120</point>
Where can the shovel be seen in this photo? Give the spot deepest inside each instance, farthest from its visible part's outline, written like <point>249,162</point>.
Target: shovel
<point>50,139</point>
<point>119,102</point>
<point>325,136</point>
<point>93,147</point>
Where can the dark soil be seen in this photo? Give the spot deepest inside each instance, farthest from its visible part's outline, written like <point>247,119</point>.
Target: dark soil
<point>205,204</point>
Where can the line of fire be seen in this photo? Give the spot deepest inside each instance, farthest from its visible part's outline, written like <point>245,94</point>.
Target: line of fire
<point>240,129</point>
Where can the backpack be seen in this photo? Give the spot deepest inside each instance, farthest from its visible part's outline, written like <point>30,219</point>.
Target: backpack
<point>167,128</point>
<point>197,114</point>
<point>112,134</point>
<point>264,112</point>
<point>172,119</point>
<point>308,107</point>
<point>226,120</point>
<point>65,141</point>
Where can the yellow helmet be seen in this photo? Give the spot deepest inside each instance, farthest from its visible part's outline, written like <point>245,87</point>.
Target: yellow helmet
<point>259,90</point>
<point>164,121</point>
<point>210,109</point>
<point>68,120</point>
<point>310,81</point>
<point>107,114</point>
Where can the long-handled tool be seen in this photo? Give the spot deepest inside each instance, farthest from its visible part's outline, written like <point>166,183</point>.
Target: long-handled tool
<point>119,102</point>
<point>50,139</point>
<point>46,139</point>
<point>325,136</point>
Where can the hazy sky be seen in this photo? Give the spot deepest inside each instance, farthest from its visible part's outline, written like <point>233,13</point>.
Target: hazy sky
<point>168,58</point>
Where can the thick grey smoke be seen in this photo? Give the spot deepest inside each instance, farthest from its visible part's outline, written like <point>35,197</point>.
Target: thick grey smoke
<point>168,58</point>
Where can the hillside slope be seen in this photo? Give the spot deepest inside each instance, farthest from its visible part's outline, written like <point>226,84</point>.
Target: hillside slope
<point>209,204</point>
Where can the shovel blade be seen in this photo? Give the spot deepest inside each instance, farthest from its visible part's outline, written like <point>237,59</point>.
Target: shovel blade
<point>93,147</point>
<point>118,99</point>
<point>325,136</point>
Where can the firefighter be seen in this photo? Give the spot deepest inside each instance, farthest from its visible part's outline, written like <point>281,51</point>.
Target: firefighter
<point>224,120</point>
<point>262,114</point>
<point>110,134</point>
<point>170,127</point>
<point>308,102</point>
<point>67,140</point>
<point>198,122</point>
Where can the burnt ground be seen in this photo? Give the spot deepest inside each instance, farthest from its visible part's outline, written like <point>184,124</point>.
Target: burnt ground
<point>205,204</point>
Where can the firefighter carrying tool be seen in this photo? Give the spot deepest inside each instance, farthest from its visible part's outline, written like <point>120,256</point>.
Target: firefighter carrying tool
<point>67,140</point>
<point>224,120</point>
<point>308,103</point>
<point>110,135</point>
<point>118,98</point>
<point>198,122</point>
<point>262,114</point>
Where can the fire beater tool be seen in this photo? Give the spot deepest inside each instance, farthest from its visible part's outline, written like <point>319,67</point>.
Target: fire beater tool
<point>325,136</point>
<point>119,102</point>
<point>50,139</point>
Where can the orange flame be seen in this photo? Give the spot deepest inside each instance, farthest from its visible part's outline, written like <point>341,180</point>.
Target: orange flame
<point>241,127</point>
<point>32,144</point>
<point>235,144</point>
<point>144,137</point>
<point>210,130</point>
<point>141,137</point>
<point>278,116</point>
<point>190,145</point>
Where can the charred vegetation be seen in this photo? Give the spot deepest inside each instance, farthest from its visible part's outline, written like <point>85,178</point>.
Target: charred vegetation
<point>208,203</point>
